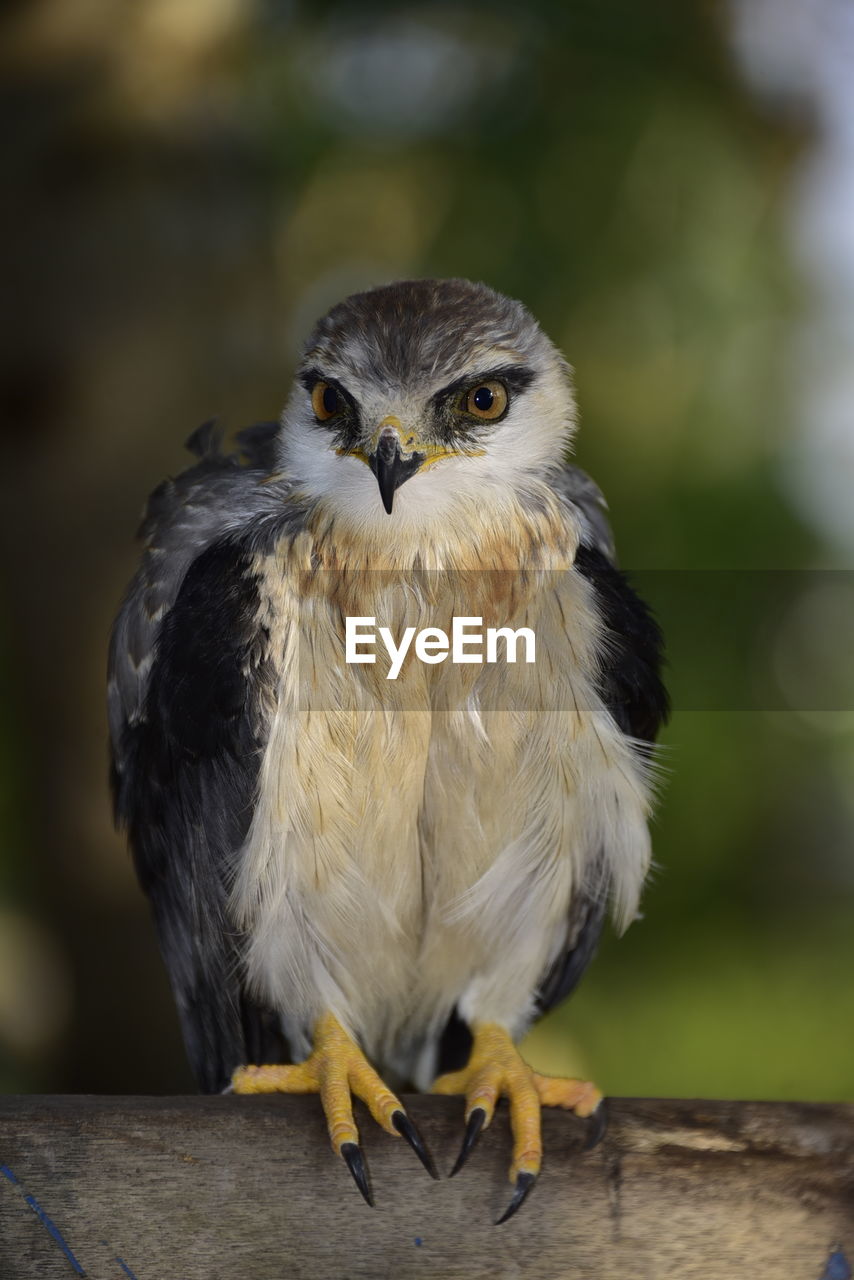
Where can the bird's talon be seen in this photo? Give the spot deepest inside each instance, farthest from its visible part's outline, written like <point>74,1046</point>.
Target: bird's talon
<point>597,1126</point>
<point>407,1130</point>
<point>474,1126</point>
<point>524,1183</point>
<point>355,1161</point>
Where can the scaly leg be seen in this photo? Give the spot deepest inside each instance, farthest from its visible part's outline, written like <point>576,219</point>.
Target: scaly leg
<point>496,1068</point>
<point>337,1069</point>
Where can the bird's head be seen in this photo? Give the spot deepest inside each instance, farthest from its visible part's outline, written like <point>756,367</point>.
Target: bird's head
<point>442,386</point>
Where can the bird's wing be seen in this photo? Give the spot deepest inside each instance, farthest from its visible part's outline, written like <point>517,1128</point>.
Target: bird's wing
<point>629,684</point>
<point>187,672</point>
<point>182,517</point>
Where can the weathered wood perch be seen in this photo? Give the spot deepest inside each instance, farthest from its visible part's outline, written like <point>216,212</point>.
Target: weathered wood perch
<point>210,1188</point>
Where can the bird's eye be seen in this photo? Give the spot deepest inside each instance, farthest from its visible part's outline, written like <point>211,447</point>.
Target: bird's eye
<point>487,401</point>
<point>325,401</point>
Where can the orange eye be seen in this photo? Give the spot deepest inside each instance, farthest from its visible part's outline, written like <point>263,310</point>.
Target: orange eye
<point>325,401</point>
<point>487,401</point>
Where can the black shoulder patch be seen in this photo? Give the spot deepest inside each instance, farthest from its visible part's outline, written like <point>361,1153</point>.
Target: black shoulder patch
<point>630,672</point>
<point>207,657</point>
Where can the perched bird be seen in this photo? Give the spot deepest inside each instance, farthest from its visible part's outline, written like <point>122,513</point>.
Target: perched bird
<point>362,882</point>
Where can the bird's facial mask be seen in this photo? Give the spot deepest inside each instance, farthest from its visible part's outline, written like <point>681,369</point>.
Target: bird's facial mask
<point>454,421</point>
<point>393,452</point>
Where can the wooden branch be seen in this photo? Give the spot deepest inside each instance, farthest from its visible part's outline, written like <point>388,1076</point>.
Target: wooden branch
<point>215,1188</point>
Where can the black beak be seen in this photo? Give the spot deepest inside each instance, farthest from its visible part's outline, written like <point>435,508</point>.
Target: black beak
<point>391,467</point>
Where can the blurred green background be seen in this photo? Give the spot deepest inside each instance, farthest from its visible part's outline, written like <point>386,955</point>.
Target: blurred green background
<point>189,183</point>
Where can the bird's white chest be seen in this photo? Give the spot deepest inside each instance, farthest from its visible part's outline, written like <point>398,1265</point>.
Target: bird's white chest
<point>416,843</point>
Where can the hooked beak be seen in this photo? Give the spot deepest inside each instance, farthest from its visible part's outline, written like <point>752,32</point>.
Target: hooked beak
<point>391,466</point>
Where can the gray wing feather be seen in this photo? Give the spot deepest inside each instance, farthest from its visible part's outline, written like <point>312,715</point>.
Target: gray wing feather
<point>588,502</point>
<point>182,518</point>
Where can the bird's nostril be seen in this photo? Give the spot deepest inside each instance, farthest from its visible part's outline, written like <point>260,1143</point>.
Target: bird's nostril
<point>388,443</point>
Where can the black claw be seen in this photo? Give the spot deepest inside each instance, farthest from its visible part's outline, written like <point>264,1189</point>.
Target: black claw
<point>407,1130</point>
<point>472,1133</point>
<point>597,1125</point>
<point>355,1161</point>
<point>524,1182</point>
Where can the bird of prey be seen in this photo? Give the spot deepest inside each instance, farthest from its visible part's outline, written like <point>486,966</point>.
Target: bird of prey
<point>361,883</point>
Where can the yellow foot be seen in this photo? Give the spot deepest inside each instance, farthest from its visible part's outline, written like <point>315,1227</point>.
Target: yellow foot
<point>337,1069</point>
<point>497,1069</point>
